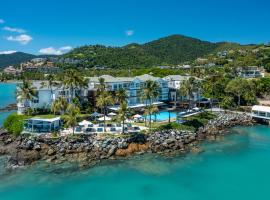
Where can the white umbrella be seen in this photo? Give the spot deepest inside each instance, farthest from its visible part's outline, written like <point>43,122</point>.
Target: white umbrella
<point>137,116</point>
<point>106,118</point>
<point>85,123</point>
<point>112,114</point>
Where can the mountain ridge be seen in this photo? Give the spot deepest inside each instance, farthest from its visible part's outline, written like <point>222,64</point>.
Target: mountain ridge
<point>170,50</point>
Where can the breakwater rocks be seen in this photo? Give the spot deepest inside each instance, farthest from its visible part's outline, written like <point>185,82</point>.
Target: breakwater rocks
<point>90,149</point>
<point>222,122</point>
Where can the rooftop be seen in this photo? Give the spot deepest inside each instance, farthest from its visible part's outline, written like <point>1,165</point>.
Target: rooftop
<point>261,108</point>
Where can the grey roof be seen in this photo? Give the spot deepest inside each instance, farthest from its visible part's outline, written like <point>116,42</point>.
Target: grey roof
<point>177,77</point>
<point>147,77</point>
<point>111,79</point>
<point>40,86</point>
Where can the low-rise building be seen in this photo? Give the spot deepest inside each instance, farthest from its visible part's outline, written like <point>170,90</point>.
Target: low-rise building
<point>261,112</point>
<point>37,125</point>
<point>174,84</point>
<point>250,72</point>
<point>12,70</point>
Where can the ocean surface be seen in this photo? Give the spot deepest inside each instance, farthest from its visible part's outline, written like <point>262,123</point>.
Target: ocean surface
<point>7,96</point>
<point>235,167</point>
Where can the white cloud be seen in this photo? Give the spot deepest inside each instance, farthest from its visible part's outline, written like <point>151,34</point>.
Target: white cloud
<point>130,32</point>
<point>23,39</point>
<point>7,52</point>
<point>17,30</point>
<point>2,21</point>
<point>53,51</point>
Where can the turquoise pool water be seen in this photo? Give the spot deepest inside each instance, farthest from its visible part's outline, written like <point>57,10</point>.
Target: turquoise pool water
<point>7,96</point>
<point>236,167</point>
<point>163,115</point>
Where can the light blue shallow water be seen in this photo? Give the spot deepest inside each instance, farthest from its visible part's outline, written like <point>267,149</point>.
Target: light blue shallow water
<point>236,167</point>
<point>162,116</point>
<point>7,96</point>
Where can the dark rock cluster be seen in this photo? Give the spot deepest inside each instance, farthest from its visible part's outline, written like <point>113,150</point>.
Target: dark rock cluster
<point>90,149</point>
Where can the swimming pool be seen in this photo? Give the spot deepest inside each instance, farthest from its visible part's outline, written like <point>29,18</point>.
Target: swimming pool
<point>162,116</point>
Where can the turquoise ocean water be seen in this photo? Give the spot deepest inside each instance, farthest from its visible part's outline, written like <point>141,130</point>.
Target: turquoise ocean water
<point>235,167</point>
<point>7,96</point>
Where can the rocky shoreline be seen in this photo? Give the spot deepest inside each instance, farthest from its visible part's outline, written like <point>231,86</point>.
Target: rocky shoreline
<point>88,150</point>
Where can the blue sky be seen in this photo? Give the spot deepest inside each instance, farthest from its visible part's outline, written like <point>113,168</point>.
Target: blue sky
<point>40,26</point>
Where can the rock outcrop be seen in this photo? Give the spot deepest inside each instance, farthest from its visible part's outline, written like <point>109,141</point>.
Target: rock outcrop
<point>90,149</point>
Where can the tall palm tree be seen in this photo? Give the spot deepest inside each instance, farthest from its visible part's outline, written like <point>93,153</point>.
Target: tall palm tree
<point>59,105</point>
<point>102,86</point>
<point>121,96</point>
<point>123,114</point>
<point>150,92</point>
<point>71,119</point>
<point>73,80</point>
<point>27,92</point>
<point>150,110</point>
<point>104,99</point>
<point>187,88</point>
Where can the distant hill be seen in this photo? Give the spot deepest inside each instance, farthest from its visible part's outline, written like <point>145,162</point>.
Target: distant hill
<point>17,58</point>
<point>14,58</point>
<point>171,50</point>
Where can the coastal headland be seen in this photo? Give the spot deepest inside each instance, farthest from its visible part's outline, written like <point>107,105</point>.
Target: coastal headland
<point>87,150</point>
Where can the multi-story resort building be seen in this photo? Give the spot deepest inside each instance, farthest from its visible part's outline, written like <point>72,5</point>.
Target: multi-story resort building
<point>132,85</point>
<point>174,84</point>
<point>45,97</point>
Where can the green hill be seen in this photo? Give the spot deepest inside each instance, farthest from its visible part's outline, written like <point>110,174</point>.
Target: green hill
<point>171,50</point>
<point>14,58</point>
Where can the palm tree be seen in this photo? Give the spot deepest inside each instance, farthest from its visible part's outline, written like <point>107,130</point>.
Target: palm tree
<point>59,105</point>
<point>150,109</point>
<point>73,80</point>
<point>104,99</point>
<point>50,83</point>
<point>102,86</point>
<point>187,88</point>
<point>150,92</point>
<point>72,116</point>
<point>123,114</point>
<point>27,92</point>
<point>121,95</point>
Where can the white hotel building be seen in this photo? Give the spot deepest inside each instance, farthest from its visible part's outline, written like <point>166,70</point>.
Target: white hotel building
<point>174,84</point>
<point>133,86</point>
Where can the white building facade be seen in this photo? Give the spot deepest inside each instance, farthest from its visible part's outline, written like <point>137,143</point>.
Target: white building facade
<point>174,85</point>
<point>133,86</point>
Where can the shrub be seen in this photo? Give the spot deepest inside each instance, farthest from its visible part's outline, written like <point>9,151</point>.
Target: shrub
<point>14,123</point>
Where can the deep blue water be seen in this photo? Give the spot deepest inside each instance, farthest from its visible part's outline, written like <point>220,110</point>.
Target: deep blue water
<point>235,167</point>
<point>7,96</point>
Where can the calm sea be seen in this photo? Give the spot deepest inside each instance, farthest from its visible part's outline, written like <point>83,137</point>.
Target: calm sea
<point>236,167</point>
<point>7,96</point>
